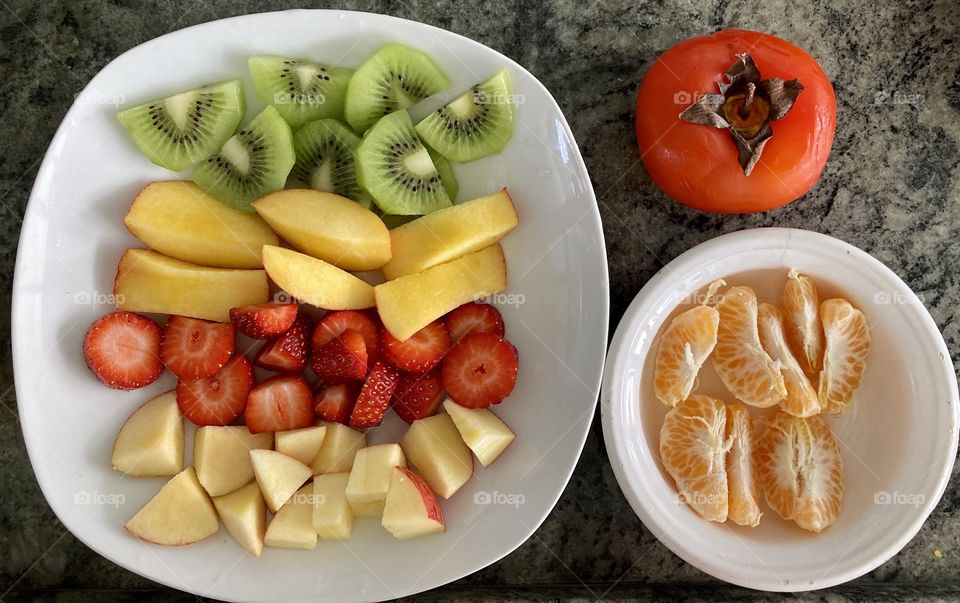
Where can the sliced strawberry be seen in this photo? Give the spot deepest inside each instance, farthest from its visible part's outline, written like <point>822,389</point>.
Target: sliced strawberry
<point>480,370</point>
<point>219,399</point>
<point>421,352</point>
<point>335,402</point>
<point>374,397</point>
<point>338,321</point>
<point>279,403</point>
<point>473,318</point>
<point>417,396</point>
<point>289,352</point>
<point>123,350</point>
<point>193,348</point>
<point>341,360</point>
<point>263,321</point>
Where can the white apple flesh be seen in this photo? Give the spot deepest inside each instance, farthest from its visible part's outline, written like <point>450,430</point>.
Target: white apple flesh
<point>150,443</point>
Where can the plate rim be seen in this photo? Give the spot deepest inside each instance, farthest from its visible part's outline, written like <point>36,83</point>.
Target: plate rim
<point>614,444</point>
<point>17,304</point>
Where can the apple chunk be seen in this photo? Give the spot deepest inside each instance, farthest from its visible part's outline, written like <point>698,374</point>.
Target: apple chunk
<point>411,508</point>
<point>180,513</point>
<point>411,302</point>
<point>340,446</point>
<point>177,218</point>
<point>316,282</point>
<point>244,513</point>
<point>222,456</point>
<point>434,446</point>
<point>301,444</point>
<point>332,515</point>
<point>292,526</point>
<point>150,443</point>
<point>327,226</point>
<point>279,476</point>
<point>481,430</point>
<point>449,233</point>
<point>370,478</point>
<point>148,281</point>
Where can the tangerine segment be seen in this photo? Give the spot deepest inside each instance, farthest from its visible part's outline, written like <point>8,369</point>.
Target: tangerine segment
<point>745,369</point>
<point>684,347</point>
<point>802,320</point>
<point>742,479</point>
<point>801,400</point>
<point>693,449</point>
<point>801,471</point>
<point>845,354</point>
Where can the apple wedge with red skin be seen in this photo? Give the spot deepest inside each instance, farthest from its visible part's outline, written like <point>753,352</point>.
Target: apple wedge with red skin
<point>411,509</point>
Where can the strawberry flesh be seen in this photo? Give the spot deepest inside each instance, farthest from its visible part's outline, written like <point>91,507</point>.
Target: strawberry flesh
<point>289,352</point>
<point>335,402</point>
<point>336,322</point>
<point>417,396</point>
<point>418,354</point>
<point>480,370</point>
<point>342,360</point>
<point>263,321</point>
<point>193,348</point>
<point>218,399</point>
<point>279,403</point>
<point>123,350</point>
<point>374,397</point>
<point>473,318</point>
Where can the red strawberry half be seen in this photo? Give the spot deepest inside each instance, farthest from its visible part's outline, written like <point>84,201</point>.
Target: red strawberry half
<point>341,360</point>
<point>335,402</point>
<point>417,396</point>
<point>263,321</point>
<point>279,403</point>
<point>338,321</point>
<point>123,350</point>
<point>374,397</point>
<point>473,318</point>
<point>418,354</point>
<point>480,370</point>
<point>219,399</point>
<point>287,353</point>
<point>194,348</point>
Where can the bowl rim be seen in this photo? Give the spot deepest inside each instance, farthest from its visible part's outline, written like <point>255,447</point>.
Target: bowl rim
<point>616,434</point>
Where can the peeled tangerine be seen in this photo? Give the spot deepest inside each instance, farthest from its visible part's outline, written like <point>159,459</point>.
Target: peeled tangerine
<point>802,321</point>
<point>801,400</point>
<point>801,472</point>
<point>845,355</point>
<point>744,501</point>
<point>693,448</point>
<point>744,367</point>
<point>684,346</point>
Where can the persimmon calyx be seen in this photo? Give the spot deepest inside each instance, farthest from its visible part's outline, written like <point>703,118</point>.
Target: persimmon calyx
<point>746,105</point>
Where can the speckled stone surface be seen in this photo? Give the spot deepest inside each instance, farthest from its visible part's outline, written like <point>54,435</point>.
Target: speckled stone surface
<point>892,187</point>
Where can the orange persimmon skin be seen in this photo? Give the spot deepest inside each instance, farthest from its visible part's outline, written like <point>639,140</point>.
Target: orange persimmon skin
<point>697,165</point>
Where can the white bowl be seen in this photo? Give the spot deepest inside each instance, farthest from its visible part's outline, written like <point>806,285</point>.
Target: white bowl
<point>898,439</point>
<point>555,310</point>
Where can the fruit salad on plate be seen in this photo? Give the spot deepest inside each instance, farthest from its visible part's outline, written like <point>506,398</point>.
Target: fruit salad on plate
<point>313,273</point>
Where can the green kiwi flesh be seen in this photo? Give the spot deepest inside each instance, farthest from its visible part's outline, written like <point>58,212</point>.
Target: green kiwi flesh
<point>396,169</point>
<point>396,77</point>
<point>324,150</point>
<point>447,177</point>
<point>177,131</point>
<point>301,90</point>
<point>476,124</point>
<point>253,162</point>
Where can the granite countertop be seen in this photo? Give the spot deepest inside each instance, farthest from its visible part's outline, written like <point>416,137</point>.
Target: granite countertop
<point>891,187</point>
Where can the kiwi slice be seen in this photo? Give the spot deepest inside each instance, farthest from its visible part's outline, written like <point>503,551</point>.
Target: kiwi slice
<point>325,162</point>
<point>397,77</point>
<point>253,162</point>
<point>447,177</point>
<point>476,124</point>
<point>183,129</point>
<point>396,169</point>
<point>301,90</point>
